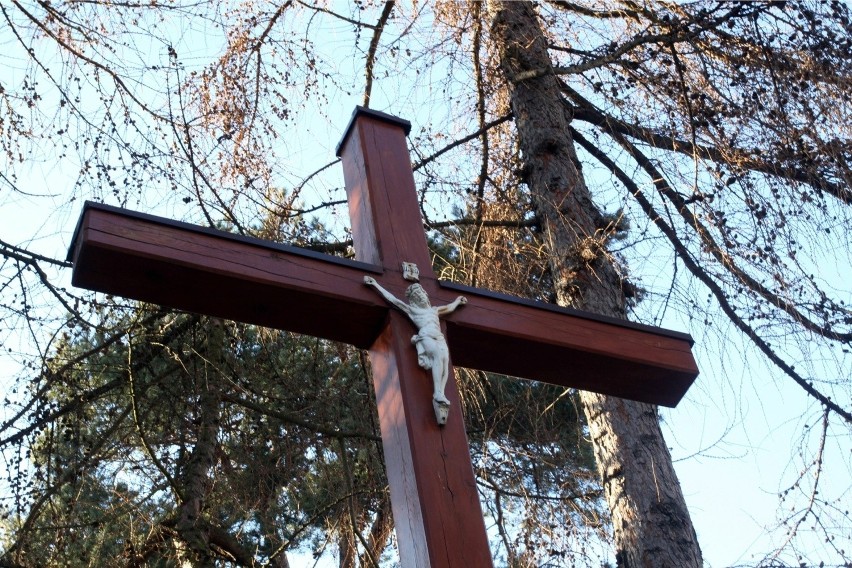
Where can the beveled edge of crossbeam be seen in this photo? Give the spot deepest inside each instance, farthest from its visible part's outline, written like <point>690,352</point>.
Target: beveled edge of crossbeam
<point>289,249</point>
<point>364,111</point>
<point>568,311</point>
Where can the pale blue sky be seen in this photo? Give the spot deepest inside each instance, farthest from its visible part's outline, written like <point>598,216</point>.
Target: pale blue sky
<point>734,438</point>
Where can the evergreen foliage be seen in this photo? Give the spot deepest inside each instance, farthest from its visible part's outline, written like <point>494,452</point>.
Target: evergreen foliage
<point>713,140</point>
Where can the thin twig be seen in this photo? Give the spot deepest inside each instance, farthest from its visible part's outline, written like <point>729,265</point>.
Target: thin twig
<point>374,46</point>
<point>460,141</point>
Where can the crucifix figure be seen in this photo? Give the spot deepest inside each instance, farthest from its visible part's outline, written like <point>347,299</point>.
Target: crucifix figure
<point>434,496</point>
<point>432,351</point>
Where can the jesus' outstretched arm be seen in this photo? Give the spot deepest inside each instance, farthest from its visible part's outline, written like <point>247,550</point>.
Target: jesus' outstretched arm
<point>390,298</point>
<point>451,307</point>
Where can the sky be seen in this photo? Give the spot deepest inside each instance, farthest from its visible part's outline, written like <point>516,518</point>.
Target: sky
<point>731,437</point>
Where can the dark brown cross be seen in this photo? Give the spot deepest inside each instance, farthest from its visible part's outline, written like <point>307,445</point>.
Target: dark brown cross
<point>436,507</point>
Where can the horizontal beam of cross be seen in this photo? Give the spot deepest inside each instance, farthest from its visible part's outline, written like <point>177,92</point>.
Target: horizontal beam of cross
<point>254,281</point>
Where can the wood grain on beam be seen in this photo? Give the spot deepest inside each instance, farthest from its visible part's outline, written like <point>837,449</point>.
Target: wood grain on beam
<point>224,275</point>
<point>213,272</point>
<point>514,337</point>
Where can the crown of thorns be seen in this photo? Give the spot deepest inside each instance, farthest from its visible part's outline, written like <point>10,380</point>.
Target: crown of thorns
<point>416,292</point>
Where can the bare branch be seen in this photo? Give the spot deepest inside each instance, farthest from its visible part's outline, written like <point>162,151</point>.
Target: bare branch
<point>586,11</point>
<point>374,45</point>
<point>119,82</point>
<point>694,268</point>
<point>298,420</point>
<point>356,23</point>
<point>716,251</point>
<point>511,223</point>
<point>737,157</point>
<point>460,141</point>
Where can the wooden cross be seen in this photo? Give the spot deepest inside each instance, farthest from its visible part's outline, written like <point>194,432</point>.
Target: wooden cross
<point>434,496</point>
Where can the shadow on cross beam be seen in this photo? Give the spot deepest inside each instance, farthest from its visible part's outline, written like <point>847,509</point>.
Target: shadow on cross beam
<point>208,271</point>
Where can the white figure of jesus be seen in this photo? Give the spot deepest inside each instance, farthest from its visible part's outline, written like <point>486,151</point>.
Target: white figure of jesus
<point>432,351</point>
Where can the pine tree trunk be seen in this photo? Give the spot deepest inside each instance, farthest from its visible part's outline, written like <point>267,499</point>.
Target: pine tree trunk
<point>380,532</point>
<point>194,546</point>
<point>651,524</point>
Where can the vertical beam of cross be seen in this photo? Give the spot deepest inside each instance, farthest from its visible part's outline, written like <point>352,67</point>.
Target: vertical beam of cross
<point>438,517</point>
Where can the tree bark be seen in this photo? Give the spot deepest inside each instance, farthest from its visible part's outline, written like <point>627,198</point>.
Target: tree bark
<point>651,523</point>
<point>194,534</point>
<point>380,532</point>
